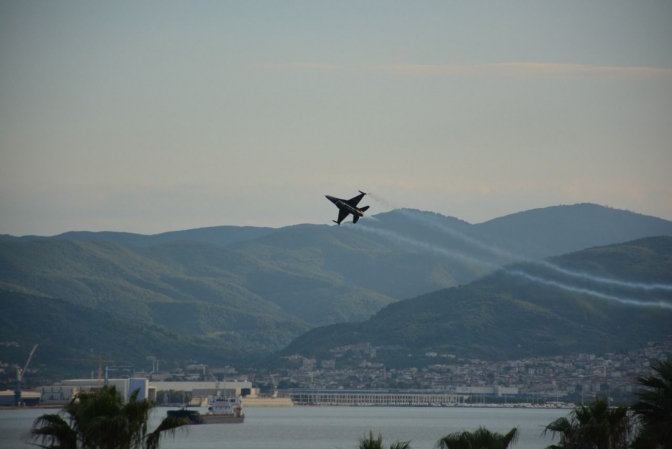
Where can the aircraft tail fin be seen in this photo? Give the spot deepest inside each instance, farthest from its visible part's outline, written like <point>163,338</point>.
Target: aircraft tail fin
<point>355,218</point>
<point>364,209</point>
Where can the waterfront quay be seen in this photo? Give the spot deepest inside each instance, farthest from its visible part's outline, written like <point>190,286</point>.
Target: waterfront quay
<point>375,397</point>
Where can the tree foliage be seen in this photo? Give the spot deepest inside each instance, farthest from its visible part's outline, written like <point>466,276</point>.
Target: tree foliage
<point>102,420</point>
<point>371,442</point>
<point>653,410</point>
<point>481,438</point>
<point>595,426</point>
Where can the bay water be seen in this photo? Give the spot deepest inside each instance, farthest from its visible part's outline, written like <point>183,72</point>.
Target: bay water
<point>327,427</point>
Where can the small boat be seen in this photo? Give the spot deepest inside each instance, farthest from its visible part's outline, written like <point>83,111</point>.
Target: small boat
<point>222,410</point>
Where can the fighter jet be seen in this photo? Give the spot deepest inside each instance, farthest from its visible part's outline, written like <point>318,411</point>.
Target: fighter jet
<point>346,207</point>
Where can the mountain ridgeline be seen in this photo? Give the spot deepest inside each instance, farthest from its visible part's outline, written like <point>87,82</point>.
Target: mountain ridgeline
<point>227,294</point>
<point>507,316</point>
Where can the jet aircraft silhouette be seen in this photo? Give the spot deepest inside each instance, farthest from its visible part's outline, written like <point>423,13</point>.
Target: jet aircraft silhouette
<point>346,207</point>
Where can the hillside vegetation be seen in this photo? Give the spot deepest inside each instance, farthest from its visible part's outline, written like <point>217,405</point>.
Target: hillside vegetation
<point>506,316</point>
<point>251,291</point>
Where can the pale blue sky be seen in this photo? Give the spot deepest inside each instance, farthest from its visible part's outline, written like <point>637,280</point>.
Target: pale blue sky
<point>156,116</point>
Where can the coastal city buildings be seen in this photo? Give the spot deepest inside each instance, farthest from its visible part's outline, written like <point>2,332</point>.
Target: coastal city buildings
<point>449,381</point>
<point>557,378</point>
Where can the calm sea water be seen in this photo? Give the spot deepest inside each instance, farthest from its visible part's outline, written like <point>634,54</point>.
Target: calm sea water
<point>327,427</point>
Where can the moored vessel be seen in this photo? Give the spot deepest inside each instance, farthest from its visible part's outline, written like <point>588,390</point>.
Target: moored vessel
<point>224,410</point>
<point>221,410</point>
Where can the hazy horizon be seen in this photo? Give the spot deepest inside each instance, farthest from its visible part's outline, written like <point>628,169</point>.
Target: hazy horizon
<point>347,222</point>
<point>164,116</point>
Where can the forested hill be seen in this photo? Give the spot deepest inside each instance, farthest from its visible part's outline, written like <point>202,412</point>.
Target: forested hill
<point>217,235</point>
<point>563,229</point>
<point>259,288</point>
<point>536,233</point>
<point>506,315</point>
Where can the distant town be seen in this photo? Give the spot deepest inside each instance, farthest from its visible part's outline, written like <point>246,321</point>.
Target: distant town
<point>538,380</point>
<point>560,378</point>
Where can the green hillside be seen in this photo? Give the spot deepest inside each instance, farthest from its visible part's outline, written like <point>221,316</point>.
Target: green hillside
<point>218,235</point>
<point>259,288</point>
<point>549,231</point>
<point>504,316</point>
<point>139,283</point>
<point>66,330</point>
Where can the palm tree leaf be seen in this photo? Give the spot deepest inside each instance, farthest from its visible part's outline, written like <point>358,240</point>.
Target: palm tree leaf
<point>169,426</point>
<point>481,438</point>
<point>54,431</point>
<point>654,406</point>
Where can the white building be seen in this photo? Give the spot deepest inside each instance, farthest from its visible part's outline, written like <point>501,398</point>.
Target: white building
<point>63,391</point>
<point>57,394</point>
<point>125,386</point>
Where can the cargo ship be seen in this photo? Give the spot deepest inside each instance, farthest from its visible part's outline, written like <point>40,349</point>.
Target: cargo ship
<point>221,410</point>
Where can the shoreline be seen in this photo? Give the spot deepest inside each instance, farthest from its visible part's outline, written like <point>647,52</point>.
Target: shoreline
<point>502,406</point>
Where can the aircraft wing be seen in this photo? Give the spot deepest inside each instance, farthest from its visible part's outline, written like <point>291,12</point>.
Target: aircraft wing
<point>341,215</point>
<point>355,201</point>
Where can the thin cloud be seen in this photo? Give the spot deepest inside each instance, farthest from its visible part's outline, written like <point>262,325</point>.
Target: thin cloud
<point>527,69</point>
<point>304,65</point>
<point>503,69</point>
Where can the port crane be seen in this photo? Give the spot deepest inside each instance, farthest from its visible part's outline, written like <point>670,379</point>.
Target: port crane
<point>118,368</point>
<point>100,365</point>
<point>19,378</point>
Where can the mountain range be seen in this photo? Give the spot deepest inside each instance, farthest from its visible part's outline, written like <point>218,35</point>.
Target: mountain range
<point>602,299</point>
<point>240,293</point>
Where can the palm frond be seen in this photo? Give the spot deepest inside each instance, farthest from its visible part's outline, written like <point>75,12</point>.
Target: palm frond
<point>53,431</point>
<point>168,426</point>
<point>401,445</point>
<point>370,442</point>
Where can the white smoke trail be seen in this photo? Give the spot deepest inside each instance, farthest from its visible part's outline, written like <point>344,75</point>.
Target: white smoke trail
<point>382,201</point>
<point>622,300</point>
<point>455,255</point>
<point>419,217</point>
<point>422,245</point>
<point>518,258</point>
<point>602,280</point>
